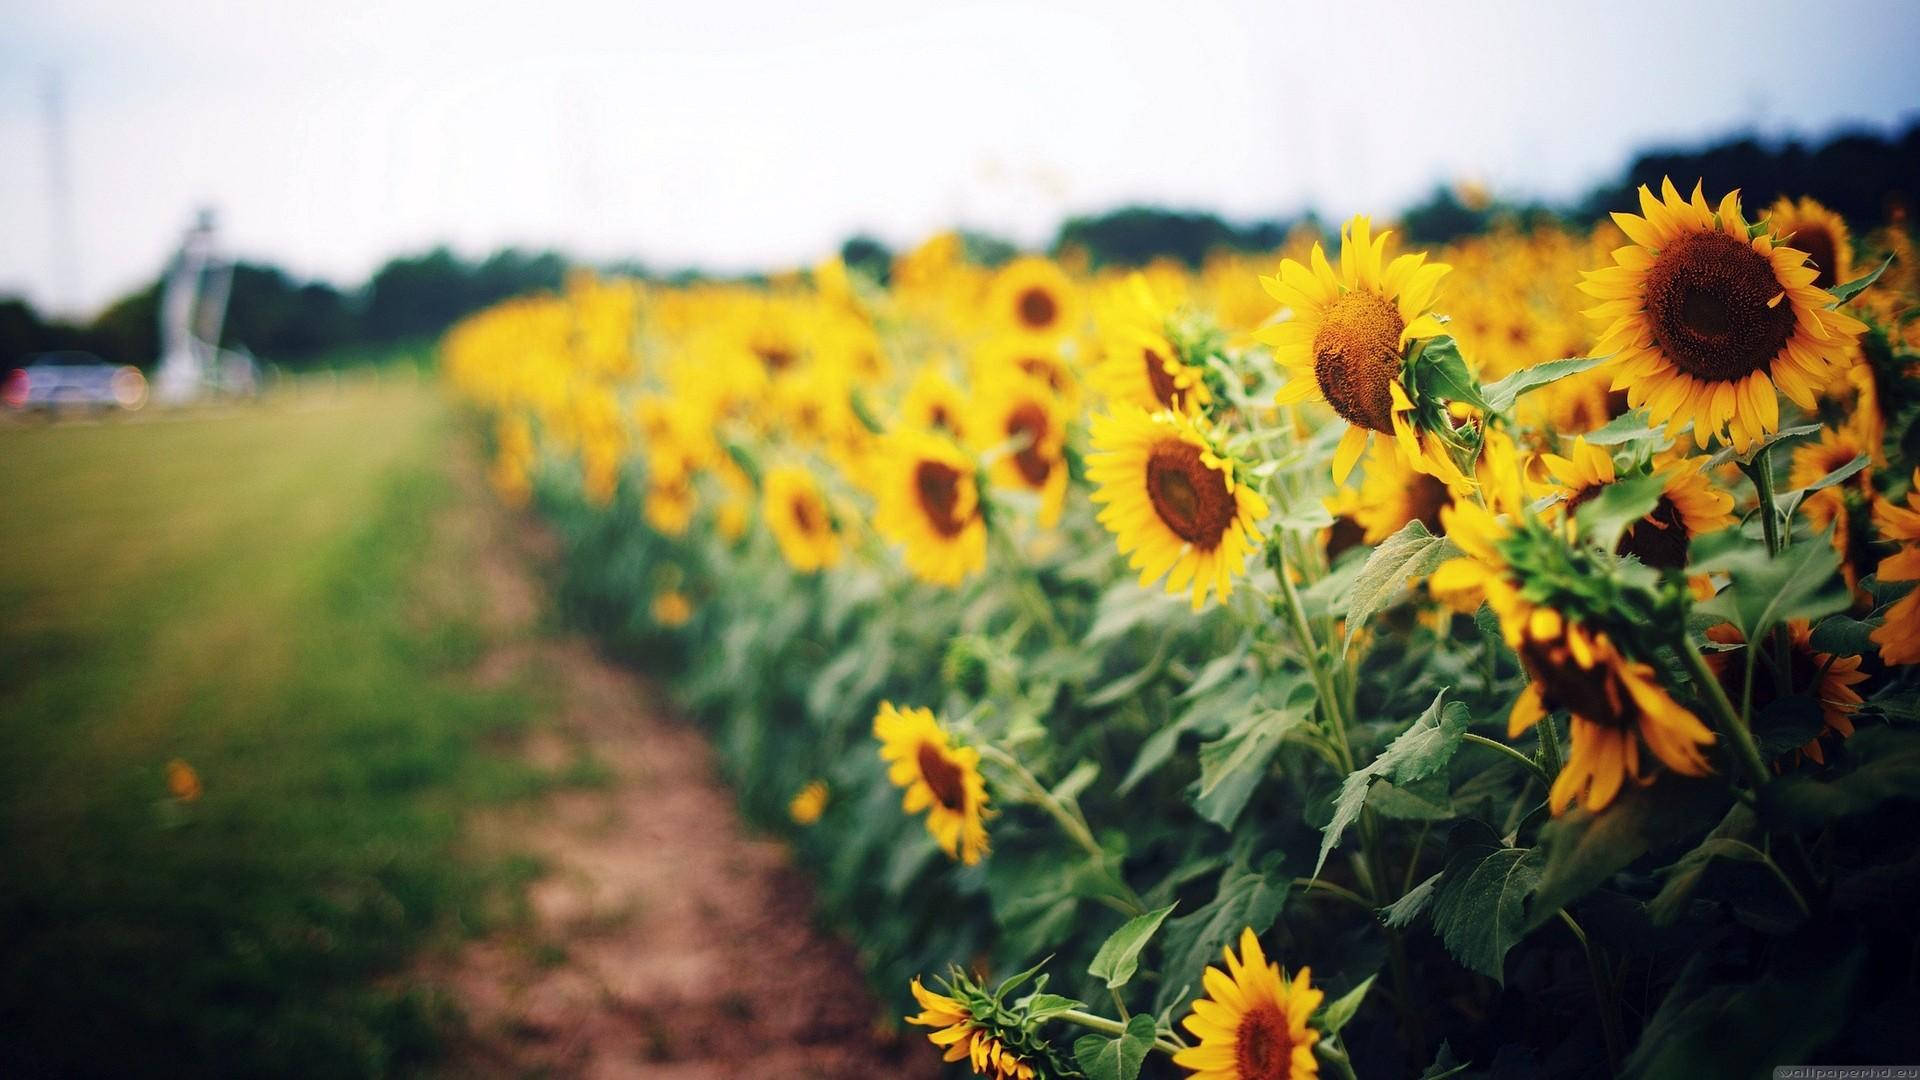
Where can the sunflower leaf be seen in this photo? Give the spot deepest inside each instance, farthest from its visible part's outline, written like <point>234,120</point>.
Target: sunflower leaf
<point>1880,764</point>
<point>1119,955</point>
<point>1502,394</point>
<point>1785,434</point>
<point>1479,907</point>
<point>1583,849</point>
<point>1416,753</point>
<point>1630,426</point>
<point>1341,1009</point>
<point>1116,1058</point>
<point>1607,516</point>
<point>1802,582</point>
<point>1245,898</point>
<point>1442,373</point>
<point>1411,553</point>
<point>1232,766</point>
<point>1846,292</point>
<point>1408,908</point>
<point>1844,635</point>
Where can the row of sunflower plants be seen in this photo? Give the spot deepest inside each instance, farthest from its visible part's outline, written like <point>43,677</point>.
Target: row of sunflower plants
<point>1340,661</point>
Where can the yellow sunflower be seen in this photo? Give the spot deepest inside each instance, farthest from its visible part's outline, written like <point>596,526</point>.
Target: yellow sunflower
<point>1689,504</point>
<point>1393,493</point>
<point>1344,341</point>
<point>929,504</point>
<point>1899,636</point>
<point>671,608</point>
<point>808,803</point>
<point>1139,366</point>
<point>1827,508</point>
<point>1252,1025</point>
<point>1172,501</point>
<point>1025,412</point>
<point>940,778</point>
<point>797,513</point>
<point>934,403</point>
<point>1818,231</point>
<point>670,501</point>
<point>1829,679</point>
<point>964,1040</point>
<point>1707,321</point>
<point>1033,296</point>
<point>1616,703</point>
<point>1008,355</point>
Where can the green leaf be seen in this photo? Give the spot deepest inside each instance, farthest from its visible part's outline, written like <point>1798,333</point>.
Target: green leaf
<point>1878,765</point>
<point>1846,292</point>
<point>1246,898</point>
<point>1801,582</point>
<point>1785,434</point>
<point>1338,1012</point>
<point>1501,395</point>
<point>1119,955</point>
<point>1408,908</point>
<point>1480,905</point>
<point>1116,1058</point>
<point>1584,849</point>
<point>1416,753</point>
<point>1443,373</point>
<point>1722,855</point>
<point>1039,1008</point>
<point>1413,552</point>
<point>1232,766</point>
<point>1788,723</point>
<point>1619,506</point>
<point>1747,1029</point>
<point>1844,635</point>
<point>1630,426</point>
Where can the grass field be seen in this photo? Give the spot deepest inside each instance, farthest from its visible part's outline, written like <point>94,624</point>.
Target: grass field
<point>243,591</point>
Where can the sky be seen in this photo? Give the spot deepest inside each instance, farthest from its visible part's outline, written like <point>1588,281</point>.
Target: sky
<point>739,136</point>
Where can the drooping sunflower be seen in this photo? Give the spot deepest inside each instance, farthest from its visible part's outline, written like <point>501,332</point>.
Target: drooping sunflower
<point>929,503</point>
<point>1024,411</point>
<point>1689,504</point>
<point>1616,703</point>
<point>796,512</point>
<point>1829,507</point>
<point>1810,227</point>
<point>1829,679</point>
<point>1033,296</point>
<point>1344,341</point>
<point>1708,321</point>
<point>964,1039</point>
<point>1899,636</point>
<point>1139,365</point>
<point>1173,502</point>
<point>939,777</point>
<point>1252,1025</point>
<point>808,803</point>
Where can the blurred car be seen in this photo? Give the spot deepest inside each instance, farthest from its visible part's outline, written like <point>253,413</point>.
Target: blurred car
<point>73,380</point>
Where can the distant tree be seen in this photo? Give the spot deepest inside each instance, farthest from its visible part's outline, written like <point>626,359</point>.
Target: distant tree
<point>127,331</point>
<point>865,255</point>
<point>1443,218</point>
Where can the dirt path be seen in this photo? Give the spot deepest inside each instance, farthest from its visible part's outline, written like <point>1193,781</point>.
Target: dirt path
<point>664,940</point>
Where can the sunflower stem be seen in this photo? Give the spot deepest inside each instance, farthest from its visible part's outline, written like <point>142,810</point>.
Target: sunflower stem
<point>1760,471</point>
<point>1602,993</point>
<point>1112,1027</point>
<point>1495,744</point>
<point>1071,822</point>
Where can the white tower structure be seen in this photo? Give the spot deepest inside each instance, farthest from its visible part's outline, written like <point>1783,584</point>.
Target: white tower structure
<point>193,307</point>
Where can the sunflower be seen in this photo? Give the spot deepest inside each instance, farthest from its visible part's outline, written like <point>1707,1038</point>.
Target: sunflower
<point>1707,321</point>
<point>1829,679</point>
<point>934,403</point>
<point>1899,636</point>
<point>1010,355</point>
<point>1139,365</point>
<point>808,803</point>
<point>670,501</point>
<point>1393,493</point>
<point>1828,507</point>
<point>183,783</point>
<point>671,608</point>
<point>796,511</point>
<point>940,778</point>
<point>1819,232</point>
<point>929,504</point>
<point>1689,504</point>
<point>1172,500</point>
<point>1023,416</point>
<point>1616,703</point>
<point>963,1039</point>
<point>1252,1025</point>
<point>1032,296</point>
<point>1345,340</point>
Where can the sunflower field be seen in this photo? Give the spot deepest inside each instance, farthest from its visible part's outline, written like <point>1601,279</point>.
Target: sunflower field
<point>1489,661</point>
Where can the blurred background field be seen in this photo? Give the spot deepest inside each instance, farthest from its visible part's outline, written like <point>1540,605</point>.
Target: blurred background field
<point>246,591</point>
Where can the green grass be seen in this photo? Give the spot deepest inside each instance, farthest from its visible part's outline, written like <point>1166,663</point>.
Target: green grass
<point>242,591</point>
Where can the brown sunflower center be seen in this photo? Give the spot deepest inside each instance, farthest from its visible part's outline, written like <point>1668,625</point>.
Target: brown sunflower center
<point>1028,421</point>
<point>1190,498</point>
<point>1263,1044</point>
<point>807,514</point>
<point>1165,390</point>
<point>1823,253</point>
<point>1037,308</point>
<point>939,416</point>
<point>1425,499</point>
<point>938,486</point>
<point>1659,540</point>
<point>1356,357</point>
<point>943,777</point>
<point>1047,371</point>
<point>775,357</point>
<point>1708,298</point>
<point>1591,693</point>
<point>1345,535</point>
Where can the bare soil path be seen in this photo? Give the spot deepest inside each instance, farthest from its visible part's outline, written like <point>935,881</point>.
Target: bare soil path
<point>664,939</point>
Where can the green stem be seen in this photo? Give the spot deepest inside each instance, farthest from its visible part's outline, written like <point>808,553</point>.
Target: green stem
<point>1331,889</point>
<point>1551,759</point>
<point>1495,744</point>
<point>1070,822</point>
<point>1602,993</point>
<point>1760,471</point>
<point>1112,1027</point>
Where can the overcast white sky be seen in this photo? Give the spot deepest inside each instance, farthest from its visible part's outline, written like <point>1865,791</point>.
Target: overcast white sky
<point>736,135</point>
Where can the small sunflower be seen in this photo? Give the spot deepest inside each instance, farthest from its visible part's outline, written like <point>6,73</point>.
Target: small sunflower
<point>1033,296</point>
<point>670,501</point>
<point>1174,503</point>
<point>1616,703</point>
<point>1025,412</point>
<point>797,513</point>
<point>1828,679</point>
<point>964,1039</point>
<point>934,403</point>
<point>1708,321</point>
<point>671,608</point>
<point>940,778</point>
<point>1689,504</point>
<point>1345,340</point>
<point>808,803</point>
<point>1818,231</point>
<point>929,503</point>
<point>1393,493</point>
<point>1252,1025</point>
<point>183,783</point>
<point>1010,355</point>
<point>1828,507</point>
<point>1139,365</point>
<point>1899,636</point>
